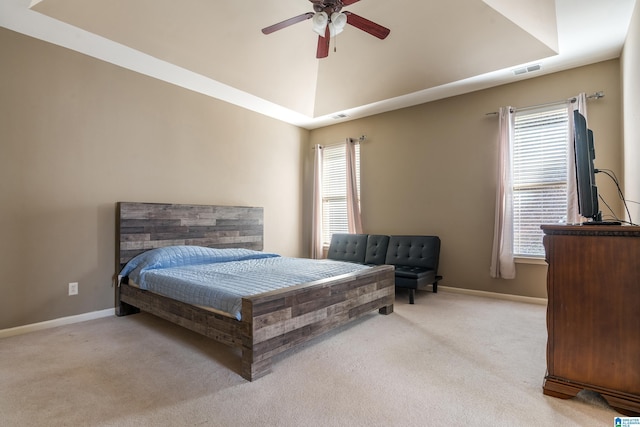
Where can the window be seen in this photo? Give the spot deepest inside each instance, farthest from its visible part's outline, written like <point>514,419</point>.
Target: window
<point>334,190</point>
<point>539,175</point>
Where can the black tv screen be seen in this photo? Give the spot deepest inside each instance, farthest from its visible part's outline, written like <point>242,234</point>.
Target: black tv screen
<point>585,174</point>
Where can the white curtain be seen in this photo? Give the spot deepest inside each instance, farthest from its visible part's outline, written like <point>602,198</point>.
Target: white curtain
<point>316,221</point>
<point>502,261</point>
<point>573,216</point>
<point>353,205</point>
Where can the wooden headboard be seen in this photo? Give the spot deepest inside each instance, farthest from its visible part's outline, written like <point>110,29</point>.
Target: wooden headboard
<point>144,226</point>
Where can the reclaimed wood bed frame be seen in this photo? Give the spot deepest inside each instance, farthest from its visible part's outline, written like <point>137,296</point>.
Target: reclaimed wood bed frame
<point>272,322</point>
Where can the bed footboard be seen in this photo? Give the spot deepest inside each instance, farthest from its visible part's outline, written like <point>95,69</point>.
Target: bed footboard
<point>282,319</point>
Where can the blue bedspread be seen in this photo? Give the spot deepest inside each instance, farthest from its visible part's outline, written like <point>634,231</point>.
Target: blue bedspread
<point>219,278</point>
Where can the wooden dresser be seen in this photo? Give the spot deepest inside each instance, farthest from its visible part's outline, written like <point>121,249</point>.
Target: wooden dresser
<point>593,313</point>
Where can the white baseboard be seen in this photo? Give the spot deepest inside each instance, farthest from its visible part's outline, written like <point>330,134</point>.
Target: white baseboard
<point>18,330</point>
<point>497,295</point>
<point>111,311</point>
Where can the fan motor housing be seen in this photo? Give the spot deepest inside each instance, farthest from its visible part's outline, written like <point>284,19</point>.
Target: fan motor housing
<point>328,6</point>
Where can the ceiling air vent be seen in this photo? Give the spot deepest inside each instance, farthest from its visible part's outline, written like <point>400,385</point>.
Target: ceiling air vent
<point>339,116</point>
<point>527,69</point>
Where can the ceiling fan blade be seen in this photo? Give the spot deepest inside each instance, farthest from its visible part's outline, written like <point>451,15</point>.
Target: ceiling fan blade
<point>348,2</point>
<point>323,44</point>
<point>287,22</point>
<point>367,26</point>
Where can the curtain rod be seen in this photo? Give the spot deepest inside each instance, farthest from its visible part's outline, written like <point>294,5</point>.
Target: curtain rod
<point>361,138</point>
<point>596,95</point>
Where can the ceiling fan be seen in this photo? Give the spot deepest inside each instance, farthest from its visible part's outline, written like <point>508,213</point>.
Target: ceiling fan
<point>328,21</point>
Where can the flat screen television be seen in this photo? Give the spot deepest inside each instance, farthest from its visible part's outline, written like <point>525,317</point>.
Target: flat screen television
<point>585,172</point>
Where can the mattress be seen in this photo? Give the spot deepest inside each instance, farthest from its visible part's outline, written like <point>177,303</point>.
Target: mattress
<point>220,279</point>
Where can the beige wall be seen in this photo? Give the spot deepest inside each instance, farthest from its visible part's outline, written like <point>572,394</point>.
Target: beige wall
<point>78,135</point>
<point>431,169</point>
<point>631,91</point>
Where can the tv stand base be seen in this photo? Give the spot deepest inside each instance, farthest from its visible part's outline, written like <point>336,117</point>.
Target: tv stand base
<point>593,323</point>
<point>624,403</point>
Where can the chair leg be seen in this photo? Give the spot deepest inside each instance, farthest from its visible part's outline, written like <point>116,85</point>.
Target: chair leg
<point>435,284</point>
<point>412,294</point>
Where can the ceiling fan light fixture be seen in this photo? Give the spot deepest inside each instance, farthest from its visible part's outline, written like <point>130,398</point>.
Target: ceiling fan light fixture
<point>338,22</point>
<point>320,20</point>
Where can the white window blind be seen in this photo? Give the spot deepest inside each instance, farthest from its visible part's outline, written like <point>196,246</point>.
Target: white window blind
<point>334,190</point>
<point>539,175</point>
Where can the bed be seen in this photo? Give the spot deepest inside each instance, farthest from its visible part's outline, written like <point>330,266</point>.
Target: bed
<point>270,322</point>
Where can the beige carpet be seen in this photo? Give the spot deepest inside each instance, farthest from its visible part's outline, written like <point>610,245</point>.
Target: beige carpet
<point>450,359</point>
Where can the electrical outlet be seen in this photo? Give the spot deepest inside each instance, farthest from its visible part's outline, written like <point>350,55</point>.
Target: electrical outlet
<point>73,288</point>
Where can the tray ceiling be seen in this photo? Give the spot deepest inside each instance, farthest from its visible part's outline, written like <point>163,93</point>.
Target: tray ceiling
<point>435,49</point>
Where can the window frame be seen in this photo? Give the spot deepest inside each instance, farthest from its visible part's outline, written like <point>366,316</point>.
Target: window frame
<point>548,170</point>
<point>333,194</point>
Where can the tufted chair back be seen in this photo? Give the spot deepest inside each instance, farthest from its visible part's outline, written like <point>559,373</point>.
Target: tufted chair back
<point>414,251</point>
<point>348,247</point>
<point>377,245</point>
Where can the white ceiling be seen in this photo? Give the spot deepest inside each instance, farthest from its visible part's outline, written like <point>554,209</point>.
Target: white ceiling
<point>436,48</point>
